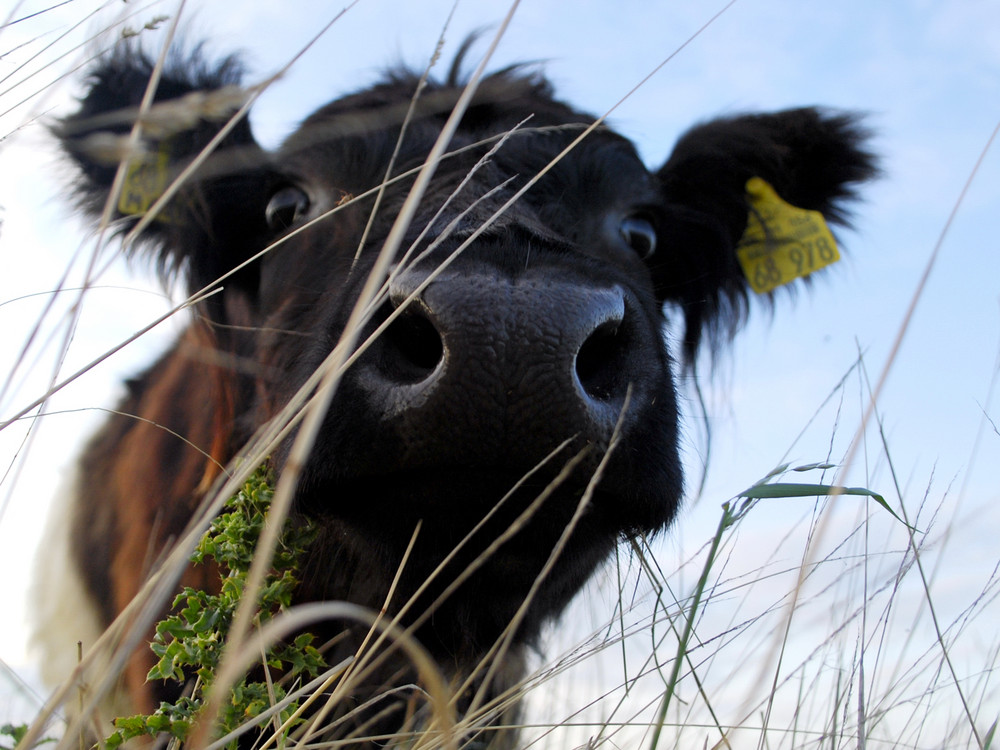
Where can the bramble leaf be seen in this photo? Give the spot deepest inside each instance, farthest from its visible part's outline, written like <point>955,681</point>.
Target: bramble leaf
<point>189,642</point>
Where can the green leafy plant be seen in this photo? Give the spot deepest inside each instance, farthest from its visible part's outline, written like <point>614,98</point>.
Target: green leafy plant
<point>11,735</point>
<point>189,642</point>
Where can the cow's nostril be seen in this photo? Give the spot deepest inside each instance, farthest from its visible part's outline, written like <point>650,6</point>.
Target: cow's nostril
<point>412,347</point>
<point>599,360</point>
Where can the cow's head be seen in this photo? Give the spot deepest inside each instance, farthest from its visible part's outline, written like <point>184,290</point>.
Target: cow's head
<point>521,391</point>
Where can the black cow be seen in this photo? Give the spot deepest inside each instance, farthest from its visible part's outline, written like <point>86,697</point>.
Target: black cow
<point>544,335</point>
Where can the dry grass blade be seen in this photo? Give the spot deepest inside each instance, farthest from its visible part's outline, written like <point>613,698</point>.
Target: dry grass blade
<point>301,616</point>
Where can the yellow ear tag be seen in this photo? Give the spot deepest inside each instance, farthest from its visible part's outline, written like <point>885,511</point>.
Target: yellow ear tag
<point>781,242</point>
<point>146,177</point>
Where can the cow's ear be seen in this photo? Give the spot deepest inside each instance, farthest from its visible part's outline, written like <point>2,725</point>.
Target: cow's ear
<point>217,217</point>
<point>811,159</point>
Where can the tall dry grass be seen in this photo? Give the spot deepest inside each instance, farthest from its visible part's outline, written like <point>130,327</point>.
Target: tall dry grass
<point>810,618</point>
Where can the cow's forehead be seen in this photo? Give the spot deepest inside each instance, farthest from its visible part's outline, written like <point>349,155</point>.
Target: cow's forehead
<point>354,151</point>
<point>504,103</point>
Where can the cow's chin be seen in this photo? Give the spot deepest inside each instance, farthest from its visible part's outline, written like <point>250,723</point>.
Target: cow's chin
<point>478,541</point>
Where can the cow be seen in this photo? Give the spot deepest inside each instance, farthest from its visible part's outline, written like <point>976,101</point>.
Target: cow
<point>521,350</point>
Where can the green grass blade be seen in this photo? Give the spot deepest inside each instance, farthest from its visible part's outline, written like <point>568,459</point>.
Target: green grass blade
<point>793,489</point>
<point>988,741</point>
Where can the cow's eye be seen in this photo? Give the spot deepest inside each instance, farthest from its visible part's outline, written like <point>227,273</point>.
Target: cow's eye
<point>286,207</point>
<point>639,235</point>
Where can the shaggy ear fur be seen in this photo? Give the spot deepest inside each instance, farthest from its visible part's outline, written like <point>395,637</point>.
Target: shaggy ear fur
<point>217,219</point>
<point>813,159</point>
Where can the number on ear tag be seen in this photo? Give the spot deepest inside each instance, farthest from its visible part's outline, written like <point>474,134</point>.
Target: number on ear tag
<point>781,242</point>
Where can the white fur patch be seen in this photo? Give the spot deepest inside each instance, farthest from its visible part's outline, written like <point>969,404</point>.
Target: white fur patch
<point>62,611</point>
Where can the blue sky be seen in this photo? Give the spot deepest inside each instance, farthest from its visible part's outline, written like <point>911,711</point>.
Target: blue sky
<point>927,72</point>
